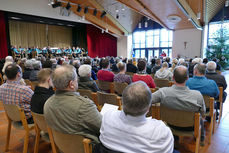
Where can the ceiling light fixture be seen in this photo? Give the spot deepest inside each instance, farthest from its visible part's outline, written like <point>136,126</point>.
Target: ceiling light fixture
<point>174,18</point>
<point>57,4</point>
<point>226,3</point>
<point>68,6</point>
<point>198,15</point>
<point>139,25</point>
<point>86,10</point>
<point>95,12</point>
<point>106,30</point>
<point>83,18</point>
<point>146,24</point>
<point>103,14</point>
<point>79,8</point>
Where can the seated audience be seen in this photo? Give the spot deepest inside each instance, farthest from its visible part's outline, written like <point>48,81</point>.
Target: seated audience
<point>130,67</point>
<point>142,76</point>
<point>85,81</point>
<point>181,97</point>
<point>157,66</point>
<point>149,67</point>
<point>93,74</point>
<point>36,69</point>
<point>47,64</point>
<point>174,64</point>
<point>42,91</point>
<point>104,74</point>
<point>121,76</point>
<point>164,73</point>
<point>219,79</point>
<point>129,131</point>
<point>28,69</point>
<point>12,92</point>
<point>201,83</point>
<point>68,112</point>
<point>8,60</point>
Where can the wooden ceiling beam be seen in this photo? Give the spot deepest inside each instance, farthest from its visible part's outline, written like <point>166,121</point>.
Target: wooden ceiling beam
<point>95,20</point>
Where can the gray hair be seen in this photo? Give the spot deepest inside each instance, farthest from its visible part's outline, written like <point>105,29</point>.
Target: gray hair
<point>201,68</point>
<point>136,99</point>
<point>29,64</point>
<point>9,59</point>
<point>211,66</point>
<point>84,70</point>
<point>37,65</point>
<point>63,75</point>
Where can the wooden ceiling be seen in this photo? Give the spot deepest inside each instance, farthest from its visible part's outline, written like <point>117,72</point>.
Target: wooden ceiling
<point>157,10</point>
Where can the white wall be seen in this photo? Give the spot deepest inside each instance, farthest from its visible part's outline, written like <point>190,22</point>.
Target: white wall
<point>193,45</point>
<point>122,46</point>
<point>37,8</point>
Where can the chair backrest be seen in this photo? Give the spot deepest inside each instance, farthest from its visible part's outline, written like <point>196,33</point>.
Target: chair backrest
<point>119,87</point>
<point>85,92</point>
<point>207,101</point>
<point>161,82</point>
<point>28,82</point>
<point>105,86</point>
<point>1,79</point>
<point>68,143</point>
<point>13,112</point>
<point>177,118</point>
<point>108,98</point>
<point>220,94</point>
<point>33,85</point>
<point>39,120</point>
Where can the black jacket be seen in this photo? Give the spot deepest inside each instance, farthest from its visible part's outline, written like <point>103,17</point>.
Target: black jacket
<point>131,68</point>
<point>39,98</point>
<point>87,83</point>
<point>26,73</point>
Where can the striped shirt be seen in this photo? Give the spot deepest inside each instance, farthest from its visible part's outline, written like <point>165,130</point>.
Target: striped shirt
<point>12,92</point>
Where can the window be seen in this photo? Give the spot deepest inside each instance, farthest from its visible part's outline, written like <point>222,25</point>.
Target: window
<point>152,43</point>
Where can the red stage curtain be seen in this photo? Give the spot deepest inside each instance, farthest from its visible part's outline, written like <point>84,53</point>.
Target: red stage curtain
<point>100,44</point>
<point>3,36</point>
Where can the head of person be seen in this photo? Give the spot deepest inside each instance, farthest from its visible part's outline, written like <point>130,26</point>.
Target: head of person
<point>65,78</point>
<point>153,61</point>
<point>165,65</point>
<point>44,77</point>
<point>205,60</point>
<point>84,70</point>
<point>167,59</point>
<point>47,64</point>
<point>130,61</point>
<point>136,99</point>
<point>87,61</point>
<point>158,61</point>
<point>121,66</point>
<point>9,59</point>
<point>200,69</point>
<point>105,63</point>
<point>141,65</point>
<point>180,74</point>
<point>211,66</point>
<point>13,72</point>
<point>36,65</point>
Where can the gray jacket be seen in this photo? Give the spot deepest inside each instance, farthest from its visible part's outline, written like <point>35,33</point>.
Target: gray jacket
<point>70,113</point>
<point>165,74</point>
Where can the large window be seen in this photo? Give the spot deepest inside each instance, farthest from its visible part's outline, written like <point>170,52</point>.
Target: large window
<point>151,43</point>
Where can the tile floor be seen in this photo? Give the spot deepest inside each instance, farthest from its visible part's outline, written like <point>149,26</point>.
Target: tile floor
<point>219,144</point>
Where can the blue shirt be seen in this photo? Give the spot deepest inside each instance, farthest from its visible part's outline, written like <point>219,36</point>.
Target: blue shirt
<point>16,51</point>
<point>204,85</point>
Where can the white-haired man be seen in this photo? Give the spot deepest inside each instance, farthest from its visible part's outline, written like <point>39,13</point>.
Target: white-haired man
<point>67,111</point>
<point>36,68</point>
<point>85,81</point>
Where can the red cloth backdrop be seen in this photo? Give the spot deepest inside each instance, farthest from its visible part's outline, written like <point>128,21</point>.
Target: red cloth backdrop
<point>3,36</point>
<point>100,44</point>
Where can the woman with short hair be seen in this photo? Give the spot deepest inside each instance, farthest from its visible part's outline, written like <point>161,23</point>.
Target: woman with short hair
<point>121,76</point>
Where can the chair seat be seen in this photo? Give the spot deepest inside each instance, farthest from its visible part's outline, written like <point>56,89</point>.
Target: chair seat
<point>182,133</point>
<point>18,125</point>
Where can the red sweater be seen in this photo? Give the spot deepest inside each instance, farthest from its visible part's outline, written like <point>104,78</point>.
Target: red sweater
<point>146,78</point>
<point>105,75</point>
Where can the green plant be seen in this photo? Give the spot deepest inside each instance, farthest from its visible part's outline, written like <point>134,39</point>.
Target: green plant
<point>219,47</point>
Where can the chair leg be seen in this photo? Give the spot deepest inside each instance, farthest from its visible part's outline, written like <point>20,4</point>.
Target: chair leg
<point>36,148</point>
<point>211,128</point>
<point>214,121</point>
<point>220,112</point>
<point>197,144</point>
<point>54,148</point>
<point>26,142</point>
<point>8,135</point>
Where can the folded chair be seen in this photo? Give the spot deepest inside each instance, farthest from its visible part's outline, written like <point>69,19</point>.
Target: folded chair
<point>70,143</point>
<point>15,114</point>
<point>179,118</point>
<point>40,125</point>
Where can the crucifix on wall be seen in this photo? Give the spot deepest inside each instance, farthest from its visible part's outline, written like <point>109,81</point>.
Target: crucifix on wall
<point>185,44</point>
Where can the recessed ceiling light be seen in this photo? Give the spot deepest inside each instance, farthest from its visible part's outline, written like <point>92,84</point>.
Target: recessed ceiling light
<point>174,18</point>
<point>15,18</point>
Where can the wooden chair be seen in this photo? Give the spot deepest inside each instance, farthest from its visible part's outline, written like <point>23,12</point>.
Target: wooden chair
<point>108,98</point>
<point>70,143</point>
<point>161,82</point>
<point>181,118</point>
<point>209,103</point>
<point>15,114</point>
<point>40,125</point>
<point>119,87</point>
<point>220,100</point>
<point>33,85</point>
<point>106,86</point>
<point>28,82</point>
<point>1,79</point>
<point>89,94</point>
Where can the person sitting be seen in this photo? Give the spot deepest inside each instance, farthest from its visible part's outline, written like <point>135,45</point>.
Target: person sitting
<point>85,81</point>
<point>121,76</point>
<point>181,97</point>
<point>8,60</point>
<point>149,67</point>
<point>130,67</point>
<point>93,74</point>
<point>42,91</point>
<point>12,92</point>
<point>164,72</point>
<point>142,76</point>
<point>201,83</point>
<point>157,66</point>
<point>129,130</point>
<point>104,74</point>
<point>36,69</point>
<point>68,112</point>
<point>28,69</point>
<point>218,78</point>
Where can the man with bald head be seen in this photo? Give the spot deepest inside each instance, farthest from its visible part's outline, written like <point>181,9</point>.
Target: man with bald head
<point>181,97</point>
<point>67,111</point>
